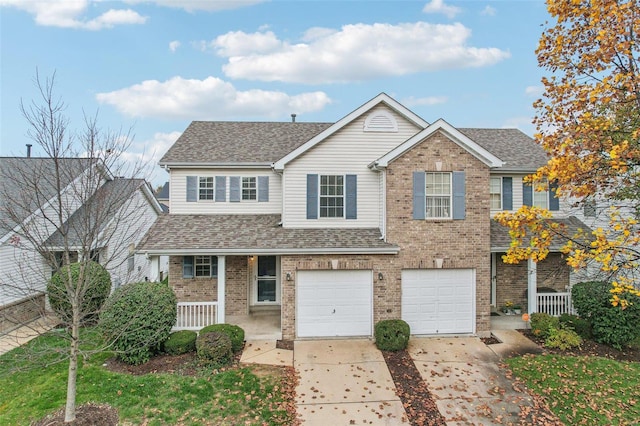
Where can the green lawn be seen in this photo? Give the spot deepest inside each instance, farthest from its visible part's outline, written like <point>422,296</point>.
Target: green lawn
<point>228,398</point>
<point>584,390</point>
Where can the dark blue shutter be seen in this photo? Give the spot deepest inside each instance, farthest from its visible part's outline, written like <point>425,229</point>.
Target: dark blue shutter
<point>263,189</point>
<point>234,188</point>
<point>527,194</point>
<point>221,188</point>
<point>187,267</point>
<point>459,195</point>
<point>192,189</point>
<point>419,195</point>
<point>312,196</point>
<point>507,193</point>
<point>351,199</point>
<point>554,201</point>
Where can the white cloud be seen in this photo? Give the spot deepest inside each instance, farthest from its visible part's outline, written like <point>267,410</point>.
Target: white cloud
<point>488,11</point>
<point>208,99</point>
<point>438,6</point>
<point>354,53</point>
<point>70,14</point>
<point>426,101</point>
<point>238,43</point>
<point>534,91</point>
<point>146,154</point>
<point>194,5</point>
<point>173,46</point>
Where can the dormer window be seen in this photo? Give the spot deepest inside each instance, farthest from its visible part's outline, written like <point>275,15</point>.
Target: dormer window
<point>380,121</point>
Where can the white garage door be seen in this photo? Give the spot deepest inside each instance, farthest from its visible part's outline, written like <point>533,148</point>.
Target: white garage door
<point>334,303</point>
<point>439,301</point>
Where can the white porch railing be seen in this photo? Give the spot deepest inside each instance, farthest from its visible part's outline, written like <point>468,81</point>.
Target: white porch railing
<point>555,304</point>
<point>195,315</point>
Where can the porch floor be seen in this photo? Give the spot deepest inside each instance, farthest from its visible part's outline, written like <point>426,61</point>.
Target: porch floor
<point>261,326</point>
<point>508,322</point>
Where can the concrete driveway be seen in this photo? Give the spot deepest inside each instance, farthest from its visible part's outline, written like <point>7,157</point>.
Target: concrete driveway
<point>462,374</point>
<point>345,382</point>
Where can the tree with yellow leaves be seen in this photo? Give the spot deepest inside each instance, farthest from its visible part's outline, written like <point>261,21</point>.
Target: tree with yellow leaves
<point>588,121</point>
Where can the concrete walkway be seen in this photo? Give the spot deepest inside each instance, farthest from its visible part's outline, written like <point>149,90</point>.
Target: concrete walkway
<point>463,375</point>
<point>21,335</point>
<point>265,352</point>
<point>345,382</point>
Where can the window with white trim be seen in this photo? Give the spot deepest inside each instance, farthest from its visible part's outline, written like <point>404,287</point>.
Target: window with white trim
<point>199,266</point>
<point>249,188</point>
<point>206,188</point>
<point>331,196</point>
<point>495,193</point>
<point>541,198</point>
<point>438,193</point>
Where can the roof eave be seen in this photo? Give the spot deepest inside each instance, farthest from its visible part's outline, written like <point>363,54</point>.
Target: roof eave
<point>266,251</point>
<point>194,165</point>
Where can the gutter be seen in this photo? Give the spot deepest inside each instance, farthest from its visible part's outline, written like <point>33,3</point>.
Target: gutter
<point>217,165</point>
<point>265,251</point>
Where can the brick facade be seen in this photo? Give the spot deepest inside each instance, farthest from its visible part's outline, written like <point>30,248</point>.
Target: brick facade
<point>461,243</point>
<point>21,312</point>
<point>512,282</point>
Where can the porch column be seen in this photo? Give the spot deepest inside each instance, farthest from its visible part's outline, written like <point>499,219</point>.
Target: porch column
<point>532,280</point>
<point>154,268</point>
<point>221,290</point>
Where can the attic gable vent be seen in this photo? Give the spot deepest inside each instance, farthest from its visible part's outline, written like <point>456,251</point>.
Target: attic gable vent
<point>380,121</point>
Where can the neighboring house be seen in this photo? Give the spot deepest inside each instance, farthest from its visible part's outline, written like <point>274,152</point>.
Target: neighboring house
<point>336,226</point>
<point>126,209</point>
<point>163,197</point>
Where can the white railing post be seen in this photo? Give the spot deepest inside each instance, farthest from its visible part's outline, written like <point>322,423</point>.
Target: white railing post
<point>532,286</point>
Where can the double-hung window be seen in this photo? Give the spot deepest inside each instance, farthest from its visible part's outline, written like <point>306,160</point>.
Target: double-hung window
<point>206,188</point>
<point>249,188</point>
<point>438,194</point>
<point>331,196</point>
<point>495,193</point>
<point>199,266</point>
<point>541,198</point>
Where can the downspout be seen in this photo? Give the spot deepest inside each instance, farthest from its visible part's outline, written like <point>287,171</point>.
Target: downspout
<point>383,199</point>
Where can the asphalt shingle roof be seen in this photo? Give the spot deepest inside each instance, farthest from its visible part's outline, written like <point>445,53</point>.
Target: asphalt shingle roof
<point>26,184</point>
<point>223,142</point>
<point>96,212</point>
<point>249,233</point>
<point>516,149</point>
<point>500,239</point>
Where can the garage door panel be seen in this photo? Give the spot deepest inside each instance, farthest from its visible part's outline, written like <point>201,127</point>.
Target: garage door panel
<point>334,303</point>
<point>438,301</point>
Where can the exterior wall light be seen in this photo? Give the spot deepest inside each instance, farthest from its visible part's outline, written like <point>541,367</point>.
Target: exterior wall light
<point>288,276</point>
<point>380,276</point>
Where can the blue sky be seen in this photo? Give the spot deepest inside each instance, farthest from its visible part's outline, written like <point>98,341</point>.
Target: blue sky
<point>156,65</point>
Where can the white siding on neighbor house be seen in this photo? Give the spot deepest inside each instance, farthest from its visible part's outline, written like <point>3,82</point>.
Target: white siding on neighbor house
<point>348,151</point>
<point>22,273</point>
<point>178,199</point>
<point>131,223</point>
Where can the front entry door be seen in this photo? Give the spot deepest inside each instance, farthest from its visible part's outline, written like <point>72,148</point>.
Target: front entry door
<point>266,290</point>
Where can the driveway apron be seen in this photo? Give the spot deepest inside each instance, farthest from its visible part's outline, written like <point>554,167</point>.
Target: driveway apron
<point>345,382</point>
<point>463,376</point>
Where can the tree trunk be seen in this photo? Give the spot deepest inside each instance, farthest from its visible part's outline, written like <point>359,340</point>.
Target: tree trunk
<point>70,408</point>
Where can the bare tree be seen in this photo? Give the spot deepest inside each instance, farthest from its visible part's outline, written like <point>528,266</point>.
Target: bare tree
<point>70,206</point>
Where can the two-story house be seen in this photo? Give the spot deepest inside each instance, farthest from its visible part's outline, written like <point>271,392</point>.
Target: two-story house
<point>51,205</point>
<point>335,226</point>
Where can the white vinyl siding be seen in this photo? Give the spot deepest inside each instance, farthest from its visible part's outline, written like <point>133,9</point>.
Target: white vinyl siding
<point>516,189</point>
<point>349,151</point>
<point>179,205</point>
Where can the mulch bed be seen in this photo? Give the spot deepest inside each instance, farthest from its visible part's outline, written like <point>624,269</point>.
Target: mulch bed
<point>86,415</point>
<point>588,348</point>
<point>413,392</point>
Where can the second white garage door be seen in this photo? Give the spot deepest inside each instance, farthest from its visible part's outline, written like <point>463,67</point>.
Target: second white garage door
<point>439,301</point>
<point>334,303</point>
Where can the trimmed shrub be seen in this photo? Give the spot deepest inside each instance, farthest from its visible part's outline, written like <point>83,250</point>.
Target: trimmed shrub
<point>542,323</point>
<point>180,342</point>
<point>392,335</point>
<point>581,326</point>
<point>590,297</point>
<point>214,348</point>
<point>235,333</point>
<point>137,318</point>
<point>612,325</point>
<point>562,339</point>
<point>96,285</point>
